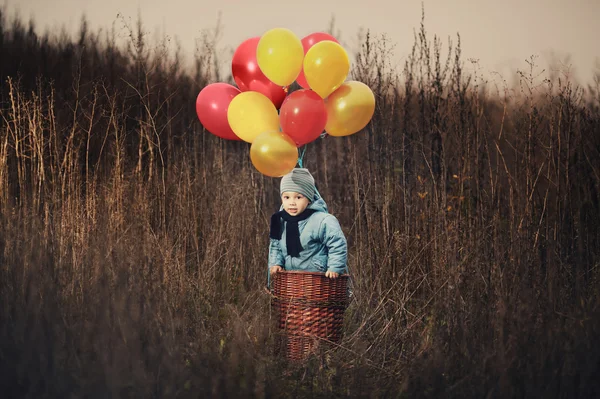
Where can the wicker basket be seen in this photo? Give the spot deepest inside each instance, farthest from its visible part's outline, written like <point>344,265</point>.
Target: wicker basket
<point>309,310</point>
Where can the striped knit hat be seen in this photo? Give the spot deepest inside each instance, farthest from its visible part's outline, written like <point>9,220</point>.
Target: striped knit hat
<point>300,181</point>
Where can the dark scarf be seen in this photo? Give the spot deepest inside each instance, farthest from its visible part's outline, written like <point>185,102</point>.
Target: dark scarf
<point>292,234</point>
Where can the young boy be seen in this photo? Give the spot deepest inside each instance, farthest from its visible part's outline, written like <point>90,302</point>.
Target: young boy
<point>304,235</point>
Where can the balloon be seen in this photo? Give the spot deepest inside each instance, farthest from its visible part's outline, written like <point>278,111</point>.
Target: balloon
<point>274,154</point>
<point>307,43</point>
<point>211,107</point>
<point>279,54</point>
<point>349,109</point>
<point>303,116</point>
<point>250,114</point>
<point>326,66</point>
<point>249,77</point>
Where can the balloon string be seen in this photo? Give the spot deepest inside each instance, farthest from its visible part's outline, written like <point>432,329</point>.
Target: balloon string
<point>301,152</point>
<point>301,157</point>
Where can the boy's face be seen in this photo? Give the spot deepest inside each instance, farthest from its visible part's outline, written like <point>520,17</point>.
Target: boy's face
<point>294,203</point>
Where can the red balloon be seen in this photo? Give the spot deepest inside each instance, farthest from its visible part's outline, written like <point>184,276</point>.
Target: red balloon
<point>307,43</point>
<point>249,77</point>
<point>211,107</point>
<point>303,116</point>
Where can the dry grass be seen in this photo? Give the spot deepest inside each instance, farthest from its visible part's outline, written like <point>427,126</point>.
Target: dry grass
<point>133,244</point>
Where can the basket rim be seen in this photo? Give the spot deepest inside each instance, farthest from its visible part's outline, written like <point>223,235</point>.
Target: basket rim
<point>308,272</point>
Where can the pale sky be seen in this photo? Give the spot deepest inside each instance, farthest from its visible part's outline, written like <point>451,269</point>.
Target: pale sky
<point>501,34</point>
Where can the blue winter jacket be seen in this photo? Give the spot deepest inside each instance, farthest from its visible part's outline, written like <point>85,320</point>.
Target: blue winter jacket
<point>324,245</point>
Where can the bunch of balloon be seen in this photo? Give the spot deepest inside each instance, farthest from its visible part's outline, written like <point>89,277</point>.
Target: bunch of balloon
<point>260,111</point>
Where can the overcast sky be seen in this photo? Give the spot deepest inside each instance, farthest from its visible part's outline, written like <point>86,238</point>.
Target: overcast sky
<point>500,34</point>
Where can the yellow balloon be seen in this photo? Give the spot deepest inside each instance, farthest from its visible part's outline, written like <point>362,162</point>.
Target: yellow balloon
<point>349,109</point>
<point>326,66</point>
<point>274,154</point>
<point>279,55</point>
<point>251,113</point>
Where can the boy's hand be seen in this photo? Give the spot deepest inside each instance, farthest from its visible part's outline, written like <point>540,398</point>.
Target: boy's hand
<point>330,274</point>
<point>275,269</point>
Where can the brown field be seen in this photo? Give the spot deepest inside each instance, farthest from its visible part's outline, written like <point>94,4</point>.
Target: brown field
<point>133,244</point>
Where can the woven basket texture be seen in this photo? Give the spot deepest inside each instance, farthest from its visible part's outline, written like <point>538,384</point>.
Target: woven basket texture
<point>309,310</point>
